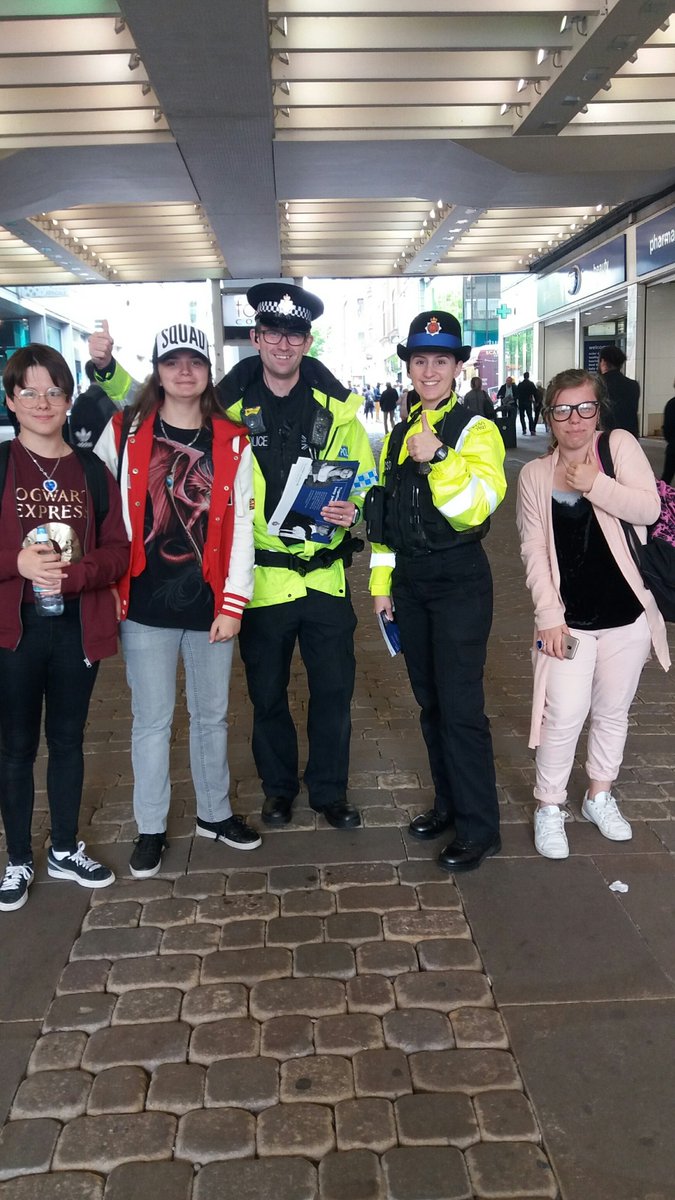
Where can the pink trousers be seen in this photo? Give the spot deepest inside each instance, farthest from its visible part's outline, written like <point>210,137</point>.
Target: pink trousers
<point>602,678</point>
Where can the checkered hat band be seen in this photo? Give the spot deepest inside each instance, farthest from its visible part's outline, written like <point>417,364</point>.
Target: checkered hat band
<point>436,339</point>
<point>272,308</point>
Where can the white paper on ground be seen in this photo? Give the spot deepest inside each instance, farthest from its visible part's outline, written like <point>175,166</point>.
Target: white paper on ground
<point>618,886</point>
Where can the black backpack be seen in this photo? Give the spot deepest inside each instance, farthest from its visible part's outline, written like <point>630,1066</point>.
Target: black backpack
<point>95,473</point>
<point>89,416</point>
<point>656,560</point>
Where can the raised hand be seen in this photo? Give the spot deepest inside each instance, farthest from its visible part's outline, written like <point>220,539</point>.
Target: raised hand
<point>101,347</point>
<point>422,446</point>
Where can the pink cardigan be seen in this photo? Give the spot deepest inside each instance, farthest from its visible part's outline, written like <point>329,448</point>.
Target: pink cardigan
<point>632,496</point>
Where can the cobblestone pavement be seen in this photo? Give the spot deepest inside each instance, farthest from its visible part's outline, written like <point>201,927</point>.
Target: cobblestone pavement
<point>331,1016</point>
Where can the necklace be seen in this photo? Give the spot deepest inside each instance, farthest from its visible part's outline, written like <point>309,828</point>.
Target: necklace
<point>50,485</point>
<point>186,444</point>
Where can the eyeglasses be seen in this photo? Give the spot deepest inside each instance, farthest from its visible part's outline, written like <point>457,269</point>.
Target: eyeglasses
<point>563,412</point>
<point>274,336</point>
<point>30,397</point>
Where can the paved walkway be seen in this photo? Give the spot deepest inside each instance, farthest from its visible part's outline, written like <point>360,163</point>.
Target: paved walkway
<point>332,1017</point>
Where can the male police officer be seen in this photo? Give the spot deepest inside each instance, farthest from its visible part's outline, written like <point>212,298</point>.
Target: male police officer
<point>293,407</point>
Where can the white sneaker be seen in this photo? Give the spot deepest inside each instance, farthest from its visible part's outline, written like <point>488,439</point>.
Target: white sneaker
<point>550,838</point>
<point>603,811</point>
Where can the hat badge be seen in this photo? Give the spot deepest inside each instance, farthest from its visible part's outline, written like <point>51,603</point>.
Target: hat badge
<point>285,306</point>
<point>433,326</point>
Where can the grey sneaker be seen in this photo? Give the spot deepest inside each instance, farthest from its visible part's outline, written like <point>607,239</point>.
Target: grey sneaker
<point>80,868</point>
<point>15,884</point>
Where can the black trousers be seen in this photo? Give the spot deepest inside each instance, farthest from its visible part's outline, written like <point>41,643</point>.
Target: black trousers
<point>669,463</point>
<point>48,665</point>
<point>323,627</point>
<point>525,410</point>
<point>443,605</point>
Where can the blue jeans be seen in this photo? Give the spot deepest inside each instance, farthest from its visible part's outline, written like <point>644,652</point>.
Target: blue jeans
<point>47,669</point>
<point>151,657</point>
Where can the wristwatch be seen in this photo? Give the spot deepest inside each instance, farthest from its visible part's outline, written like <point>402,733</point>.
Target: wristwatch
<point>440,455</point>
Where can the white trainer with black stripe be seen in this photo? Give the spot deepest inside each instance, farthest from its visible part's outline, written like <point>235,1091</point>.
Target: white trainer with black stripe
<point>80,868</point>
<point>15,884</point>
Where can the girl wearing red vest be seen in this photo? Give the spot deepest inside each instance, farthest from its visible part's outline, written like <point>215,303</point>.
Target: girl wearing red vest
<point>187,498</point>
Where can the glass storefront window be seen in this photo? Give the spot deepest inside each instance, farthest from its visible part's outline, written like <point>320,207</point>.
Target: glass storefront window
<point>518,353</point>
<point>13,335</point>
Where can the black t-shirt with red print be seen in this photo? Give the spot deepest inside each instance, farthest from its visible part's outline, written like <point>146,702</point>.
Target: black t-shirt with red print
<point>171,592</point>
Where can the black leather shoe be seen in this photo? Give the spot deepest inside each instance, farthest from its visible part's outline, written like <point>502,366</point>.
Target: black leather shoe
<point>341,815</point>
<point>429,825</point>
<point>467,856</point>
<point>277,810</point>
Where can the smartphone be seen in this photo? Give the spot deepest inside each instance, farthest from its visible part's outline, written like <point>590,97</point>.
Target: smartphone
<point>98,326</point>
<point>570,645</point>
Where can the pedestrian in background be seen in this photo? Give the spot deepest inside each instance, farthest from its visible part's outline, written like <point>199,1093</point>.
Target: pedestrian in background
<point>507,394</point>
<point>477,401</point>
<point>526,394</point>
<point>388,405</point>
<point>623,393</point>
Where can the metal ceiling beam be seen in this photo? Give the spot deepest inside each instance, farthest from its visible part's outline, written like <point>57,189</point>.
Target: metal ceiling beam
<point>602,45</point>
<point>216,95</point>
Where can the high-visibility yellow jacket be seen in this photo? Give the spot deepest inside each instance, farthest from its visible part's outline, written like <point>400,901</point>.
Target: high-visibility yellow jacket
<point>466,487</point>
<point>347,440</point>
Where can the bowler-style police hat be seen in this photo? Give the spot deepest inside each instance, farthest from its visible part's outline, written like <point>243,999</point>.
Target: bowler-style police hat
<point>284,305</point>
<point>434,330</point>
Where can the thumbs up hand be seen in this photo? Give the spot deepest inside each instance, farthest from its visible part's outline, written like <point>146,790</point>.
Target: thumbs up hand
<point>101,347</point>
<point>422,446</point>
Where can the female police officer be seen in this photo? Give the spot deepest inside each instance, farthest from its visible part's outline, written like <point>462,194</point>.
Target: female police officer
<point>441,478</point>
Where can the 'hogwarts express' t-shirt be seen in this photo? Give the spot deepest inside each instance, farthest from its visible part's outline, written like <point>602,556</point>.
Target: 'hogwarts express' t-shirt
<point>61,510</point>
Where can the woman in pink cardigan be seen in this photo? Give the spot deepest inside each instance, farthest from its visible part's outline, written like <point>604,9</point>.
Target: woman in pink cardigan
<point>595,620</point>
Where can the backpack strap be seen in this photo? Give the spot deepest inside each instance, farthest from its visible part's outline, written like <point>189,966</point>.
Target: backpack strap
<point>95,473</point>
<point>607,464</point>
<point>4,462</point>
<point>127,419</point>
<point>605,455</point>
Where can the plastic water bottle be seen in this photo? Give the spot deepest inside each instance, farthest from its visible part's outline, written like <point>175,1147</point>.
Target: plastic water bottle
<point>45,605</point>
